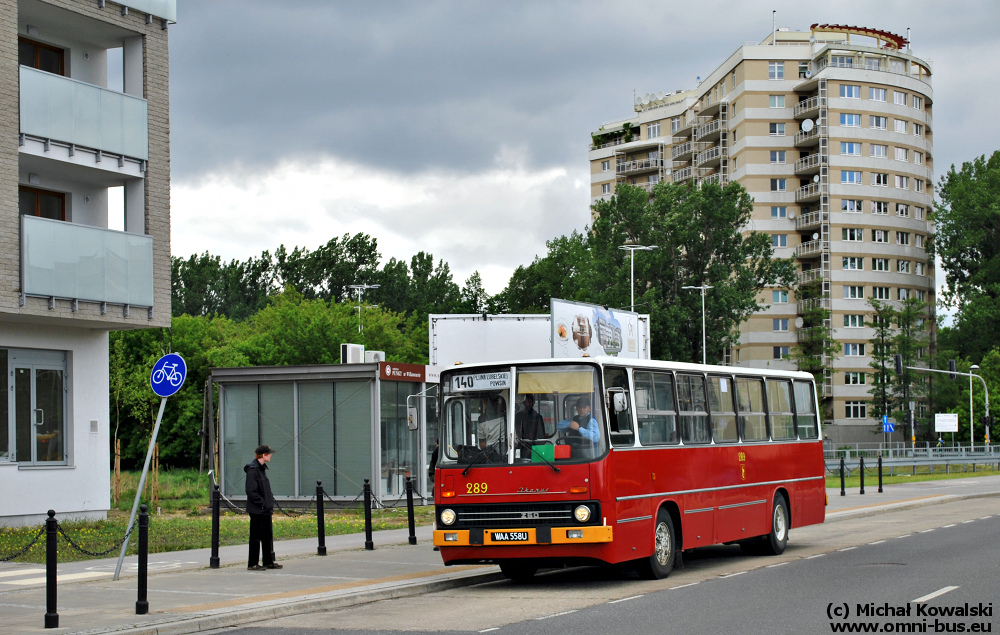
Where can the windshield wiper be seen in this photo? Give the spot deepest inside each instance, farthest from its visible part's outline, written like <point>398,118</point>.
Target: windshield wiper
<point>483,455</point>
<point>539,454</point>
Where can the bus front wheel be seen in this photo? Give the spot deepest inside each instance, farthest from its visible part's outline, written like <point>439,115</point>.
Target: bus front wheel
<point>659,565</point>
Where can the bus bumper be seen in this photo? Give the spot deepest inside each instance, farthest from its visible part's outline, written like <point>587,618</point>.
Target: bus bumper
<point>521,537</point>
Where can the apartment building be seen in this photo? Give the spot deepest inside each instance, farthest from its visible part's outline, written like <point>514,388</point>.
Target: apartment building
<point>830,131</point>
<point>84,234</point>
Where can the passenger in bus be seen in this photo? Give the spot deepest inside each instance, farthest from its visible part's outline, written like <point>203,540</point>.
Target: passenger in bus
<point>583,423</point>
<point>528,422</point>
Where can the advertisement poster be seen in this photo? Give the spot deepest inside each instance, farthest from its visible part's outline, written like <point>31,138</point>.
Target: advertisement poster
<point>590,329</point>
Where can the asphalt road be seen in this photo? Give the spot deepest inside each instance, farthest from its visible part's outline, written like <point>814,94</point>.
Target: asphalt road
<point>889,560</point>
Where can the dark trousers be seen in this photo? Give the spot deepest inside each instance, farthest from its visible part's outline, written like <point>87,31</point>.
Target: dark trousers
<point>261,538</point>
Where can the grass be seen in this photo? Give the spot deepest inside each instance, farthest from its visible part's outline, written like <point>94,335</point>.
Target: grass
<point>185,523</point>
<point>905,475</point>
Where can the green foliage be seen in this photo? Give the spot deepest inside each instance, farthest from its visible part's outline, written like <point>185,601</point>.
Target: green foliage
<point>967,220</point>
<point>881,319</point>
<point>816,342</point>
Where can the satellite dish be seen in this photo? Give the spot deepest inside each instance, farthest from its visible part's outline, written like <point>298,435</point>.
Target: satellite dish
<point>815,236</point>
<point>815,178</point>
<point>809,74</point>
<point>807,125</point>
<point>791,215</point>
<point>798,322</point>
<point>660,96</point>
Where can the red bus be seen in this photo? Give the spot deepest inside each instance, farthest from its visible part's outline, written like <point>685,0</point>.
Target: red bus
<point>550,463</point>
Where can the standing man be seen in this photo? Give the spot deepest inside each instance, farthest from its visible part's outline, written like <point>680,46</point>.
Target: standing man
<point>260,506</point>
<point>528,423</point>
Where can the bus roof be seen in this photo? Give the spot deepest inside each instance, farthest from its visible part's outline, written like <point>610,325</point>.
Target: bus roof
<point>642,364</point>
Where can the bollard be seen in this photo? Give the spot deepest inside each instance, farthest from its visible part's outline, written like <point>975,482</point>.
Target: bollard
<point>141,604</point>
<point>409,511</point>
<point>51,536</point>
<point>213,560</point>
<point>862,471</point>
<point>843,491</point>
<point>879,475</point>
<point>369,545</point>
<point>320,521</point>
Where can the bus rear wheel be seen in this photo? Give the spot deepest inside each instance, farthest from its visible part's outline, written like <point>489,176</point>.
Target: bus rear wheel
<point>517,571</point>
<point>774,542</point>
<point>660,564</point>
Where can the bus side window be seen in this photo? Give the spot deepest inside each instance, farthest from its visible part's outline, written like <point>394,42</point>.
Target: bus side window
<point>779,406</point>
<point>616,382</point>
<point>720,393</point>
<point>805,410</point>
<point>655,408</point>
<point>750,401</point>
<point>693,409</point>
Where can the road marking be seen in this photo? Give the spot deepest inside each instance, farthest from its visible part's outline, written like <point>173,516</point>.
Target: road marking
<point>8,574</point>
<point>904,536</point>
<point>634,597</point>
<point>818,555</point>
<point>683,585</point>
<point>555,615</point>
<point>62,578</point>
<point>985,517</point>
<point>732,575</point>
<point>877,542</point>
<point>965,522</point>
<point>780,564</point>
<point>926,531</point>
<point>847,549</point>
<point>947,526</point>
<point>487,630</point>
<point>935,594</point>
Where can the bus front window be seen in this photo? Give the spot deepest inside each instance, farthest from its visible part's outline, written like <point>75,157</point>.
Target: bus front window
<point>559,414</point>
<point>474,427</point>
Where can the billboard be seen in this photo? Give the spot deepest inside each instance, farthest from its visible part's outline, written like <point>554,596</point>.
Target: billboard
<point>945,422</point>
<point>579,329</point>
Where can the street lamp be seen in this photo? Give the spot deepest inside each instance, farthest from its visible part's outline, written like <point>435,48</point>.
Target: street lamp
<point>972,417</point>
<point>631,248</point>
<point>361,288</point>
<point>703,288</point>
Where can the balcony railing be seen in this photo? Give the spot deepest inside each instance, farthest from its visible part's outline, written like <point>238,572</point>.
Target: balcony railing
<point>809,163</point>
<point>813,303</point>
<point>682,174</point>
<point>807,192</point>
<point>78,262</point>
<point>813,275</point>
<point>803,108</point>
<point>640,165</point>
<point>811,248</point>
<point>709,128</point>
<point>712,154</point>
<point>711,178</point>
<point>803,138</point>
<point>63,109</point>
<point>681,150</point>
<point>810,219</point>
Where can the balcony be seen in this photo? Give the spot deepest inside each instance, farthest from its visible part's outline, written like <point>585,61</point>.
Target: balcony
<point>709,131</point>
<point>809,164</point>
<point>710,157</point>
<point>806,139</point>
<point>810,220</point>
<point>808,108</point>
<point>682,174</point>
<point>813,275</point>
<point>811,248</point>
<point>814,303</point>
<point>682,152</point>
<point>711,178</point>
<point>63,109</point>
<point>78,262</point>
<point>807,193</point>
<point>639,165</point>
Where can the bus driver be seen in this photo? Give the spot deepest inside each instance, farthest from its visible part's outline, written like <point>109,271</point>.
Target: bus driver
<point>583,423</point>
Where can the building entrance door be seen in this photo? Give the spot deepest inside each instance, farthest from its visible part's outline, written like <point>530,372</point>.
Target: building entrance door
<point>39,410</point>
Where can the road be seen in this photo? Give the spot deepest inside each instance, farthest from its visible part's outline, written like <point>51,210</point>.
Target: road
<point>886,560</point>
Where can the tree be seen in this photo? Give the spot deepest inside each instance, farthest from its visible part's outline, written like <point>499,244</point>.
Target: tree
<point>882,317</point>
<point>910,343</point>
<point>967,219</point>
<point>815,350</point>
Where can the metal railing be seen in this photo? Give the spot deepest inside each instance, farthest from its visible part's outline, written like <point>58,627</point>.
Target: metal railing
<point>805,106</point>
<point>639,165</point>
<point>811,218</point>
<point>682,149</point>
<point>808,163</point>
<point>807,191</point>
<point>708,155</point>
<point>682,175</point>
<point>811,248</point>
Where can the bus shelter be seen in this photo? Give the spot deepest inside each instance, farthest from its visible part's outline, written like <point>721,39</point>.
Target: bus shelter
<point>338,423</point>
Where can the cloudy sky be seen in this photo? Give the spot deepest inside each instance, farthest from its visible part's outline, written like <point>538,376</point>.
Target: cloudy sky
<point>461,128</point>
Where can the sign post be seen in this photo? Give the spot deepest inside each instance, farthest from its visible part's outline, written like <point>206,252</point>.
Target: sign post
<point>166,379</point>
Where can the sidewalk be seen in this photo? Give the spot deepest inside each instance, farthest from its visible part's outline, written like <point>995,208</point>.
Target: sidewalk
<point>185,596</point>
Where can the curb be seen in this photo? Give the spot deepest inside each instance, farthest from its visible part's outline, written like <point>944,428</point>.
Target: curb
<point>885,508</point>
<point>282,608</point>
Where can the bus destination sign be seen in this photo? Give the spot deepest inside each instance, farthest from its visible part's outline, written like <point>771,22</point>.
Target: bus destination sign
<point>480,381</point>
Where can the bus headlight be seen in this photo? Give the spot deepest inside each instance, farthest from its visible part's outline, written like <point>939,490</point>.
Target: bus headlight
<point>581,513</point>
<point>448,517</point>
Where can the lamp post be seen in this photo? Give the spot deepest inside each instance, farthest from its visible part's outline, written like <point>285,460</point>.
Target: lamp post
<point>703,288</point>
<point>361,288</point>
<point>631,248</point>
<point>972,417</point>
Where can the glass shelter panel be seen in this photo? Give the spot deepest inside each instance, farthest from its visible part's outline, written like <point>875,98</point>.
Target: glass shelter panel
<point>277,416</point>
<point>354,436</point>
<point>400,457</point>
<point>240,425</point>
<point>317,436</point>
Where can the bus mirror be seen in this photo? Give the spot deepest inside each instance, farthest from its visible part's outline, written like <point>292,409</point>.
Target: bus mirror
<point>619,401</point>
<point>411,418</point>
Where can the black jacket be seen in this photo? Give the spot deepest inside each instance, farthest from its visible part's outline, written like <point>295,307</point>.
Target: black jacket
<point>260,500</point>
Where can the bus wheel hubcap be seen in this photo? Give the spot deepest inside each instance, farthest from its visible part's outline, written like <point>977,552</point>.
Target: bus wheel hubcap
<point>779,522</point>
<point>662,544</point>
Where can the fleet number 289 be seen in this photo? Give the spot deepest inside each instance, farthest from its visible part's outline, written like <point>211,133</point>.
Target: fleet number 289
<point>475,488</point>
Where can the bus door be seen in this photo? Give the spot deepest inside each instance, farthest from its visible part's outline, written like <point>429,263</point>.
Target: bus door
<point>627,473</point>
<point>696,462</point>
<point>730,465</point>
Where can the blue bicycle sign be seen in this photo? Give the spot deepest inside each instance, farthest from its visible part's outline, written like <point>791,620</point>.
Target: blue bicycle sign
<point>168,375</point>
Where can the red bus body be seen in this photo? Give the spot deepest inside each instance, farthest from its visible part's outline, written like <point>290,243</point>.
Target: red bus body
<point>715,493</point>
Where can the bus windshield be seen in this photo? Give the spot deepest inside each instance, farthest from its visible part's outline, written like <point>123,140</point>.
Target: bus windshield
<point>548,414</point>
